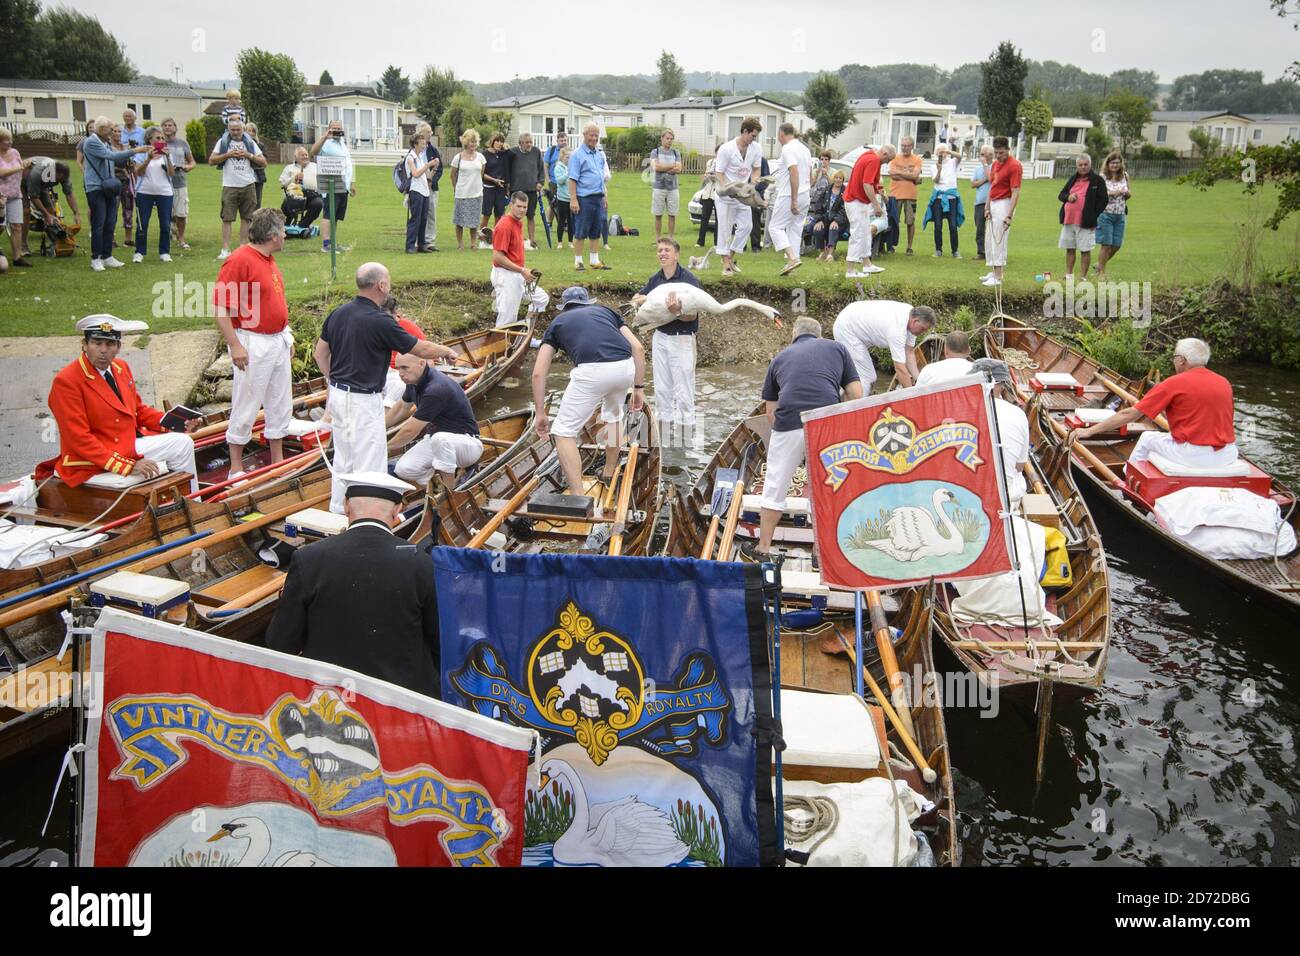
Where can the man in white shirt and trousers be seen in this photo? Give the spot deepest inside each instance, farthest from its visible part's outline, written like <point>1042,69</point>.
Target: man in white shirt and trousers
<point>882,324</point>
<point>788,206</point>
<point>1013,427</point>
<point>737,160</point>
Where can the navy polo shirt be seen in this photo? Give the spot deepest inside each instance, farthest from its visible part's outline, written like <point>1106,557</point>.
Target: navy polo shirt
<point>362,338</point>
<point>588,334</point>
<point>442,403</point>
<point>808,373</point>
<point>681,326</point>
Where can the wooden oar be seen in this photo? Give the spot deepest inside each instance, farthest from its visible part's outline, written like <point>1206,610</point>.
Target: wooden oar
<point>927,774</point>
<point>733,518</point>
<point>511,507</point>
<point>1116,389</point>
<point>250,598</point>
<point>1096,463</point>
<point>1038,486</point>
<point>59,598</point>
<point>885,644</point>
<point>624,496</point>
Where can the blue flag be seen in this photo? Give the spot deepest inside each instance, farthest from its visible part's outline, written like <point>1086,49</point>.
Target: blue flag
<point>648,681</point>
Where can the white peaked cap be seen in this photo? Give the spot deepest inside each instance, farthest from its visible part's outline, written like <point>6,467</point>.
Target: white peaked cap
<point>375,484</point>
<point>105,323</point>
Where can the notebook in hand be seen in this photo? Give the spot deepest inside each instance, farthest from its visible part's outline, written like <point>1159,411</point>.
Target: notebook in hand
<point>177,416</point>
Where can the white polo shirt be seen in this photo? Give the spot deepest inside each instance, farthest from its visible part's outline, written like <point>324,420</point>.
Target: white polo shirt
<point>879,324</point>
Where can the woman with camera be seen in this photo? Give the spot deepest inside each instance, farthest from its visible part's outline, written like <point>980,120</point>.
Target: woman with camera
<point>153,190</point>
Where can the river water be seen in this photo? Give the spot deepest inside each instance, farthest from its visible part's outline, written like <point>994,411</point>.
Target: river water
<point>1187,756</point>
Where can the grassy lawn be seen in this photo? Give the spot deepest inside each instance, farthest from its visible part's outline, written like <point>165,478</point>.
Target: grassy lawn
<point>1176,236</point>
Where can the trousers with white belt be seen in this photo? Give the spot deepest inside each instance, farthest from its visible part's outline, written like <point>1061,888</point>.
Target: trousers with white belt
<point>358,436</point>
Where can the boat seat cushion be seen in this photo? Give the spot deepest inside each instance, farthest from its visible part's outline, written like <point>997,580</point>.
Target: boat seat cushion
<point>793,506</point>
<point>1176,469</point>
<point>828,730</point>
<point>114,482</point>
<point>139,588</point>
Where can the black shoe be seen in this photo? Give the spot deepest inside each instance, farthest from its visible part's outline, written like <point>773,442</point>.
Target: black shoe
<point>749,550</point>
<point>426,250</point>
<point>22,263</point>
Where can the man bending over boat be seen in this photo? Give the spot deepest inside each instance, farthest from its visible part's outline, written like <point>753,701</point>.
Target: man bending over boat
<point>1198,405</point>
<point>808,373</point>
<point>435,407</point>
<point>607,360</point>
<point>104,425</point>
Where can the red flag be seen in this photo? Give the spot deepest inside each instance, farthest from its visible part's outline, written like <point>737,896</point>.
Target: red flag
<point>209,752</point>
<point>907,486</point>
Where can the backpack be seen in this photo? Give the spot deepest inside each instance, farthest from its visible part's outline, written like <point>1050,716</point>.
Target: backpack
<point>402,178</point>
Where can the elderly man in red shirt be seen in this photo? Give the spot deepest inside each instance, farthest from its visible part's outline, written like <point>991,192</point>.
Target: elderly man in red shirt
<point>510,277</point>
<point>863,203</point>
<point>1198,406</point>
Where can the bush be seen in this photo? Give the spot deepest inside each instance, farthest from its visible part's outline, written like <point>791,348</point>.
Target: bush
<point>614,140</point>
<point>196,134</point>
<point>1117,345</point>
<point>1151,151</point>
<point>641,139</point>
<point>214,129</point>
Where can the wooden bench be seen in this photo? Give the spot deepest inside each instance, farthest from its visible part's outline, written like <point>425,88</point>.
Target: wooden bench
<point>235,585</point>
<point>59,500</point>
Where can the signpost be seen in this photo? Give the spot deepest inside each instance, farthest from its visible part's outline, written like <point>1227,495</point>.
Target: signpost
<point>329,180</point>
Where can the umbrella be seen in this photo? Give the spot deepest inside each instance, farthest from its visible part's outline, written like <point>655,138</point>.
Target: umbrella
<point>546,222</point>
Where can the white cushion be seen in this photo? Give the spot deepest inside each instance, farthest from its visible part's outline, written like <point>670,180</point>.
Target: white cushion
<point>827,730</point>
<point>793,506</point>
<point>299,428</point>
<point>807,583</point>
<point>319,521</point>
<point>1177,469</point>
<point>1056,380</point>
<point>1093,416</point>
<point>106,479</point>
<point>139,588</point>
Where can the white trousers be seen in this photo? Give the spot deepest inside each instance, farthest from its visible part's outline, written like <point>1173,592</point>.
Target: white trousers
<point>674,368</point>
<point>603,384</point>
<point>442,452</point>
<point>785,453</point>
<point>394,388</point>
<point>267,384</point>
<point>360,443</point>
<point>431,224</point>
<point>732,213</point>
<point>785,228</point>
<point>858,351</point>
<point>860,215</point>
<point>997,234</point>
<point>508,294</point>
<point>174,449</point>
<point>1181,452</point>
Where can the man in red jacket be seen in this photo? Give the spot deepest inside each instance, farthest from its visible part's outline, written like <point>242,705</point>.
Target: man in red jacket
<point>104,425</point>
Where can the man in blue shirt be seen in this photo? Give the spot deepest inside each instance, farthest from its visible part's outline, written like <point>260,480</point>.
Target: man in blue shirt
<point>981,180</point>
<point>607,361</point>
<point>808,373</point>
<point>587,199</point>
<point>672,349</point>
<point>435,407</point>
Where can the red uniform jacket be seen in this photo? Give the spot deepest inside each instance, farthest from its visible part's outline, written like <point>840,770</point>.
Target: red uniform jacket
<point>97,430</point>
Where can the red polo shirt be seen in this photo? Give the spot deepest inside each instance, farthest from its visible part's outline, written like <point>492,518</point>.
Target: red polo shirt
<point>250,288</point>
<point>508,237</point>
<point>866,171</point>
<point>1004,178</point>
<point>1198,404</point>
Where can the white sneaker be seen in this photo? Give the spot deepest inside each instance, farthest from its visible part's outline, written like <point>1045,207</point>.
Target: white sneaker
<point>138,257</point>
<point>224,254</point>
<point>112,262</point>
<point>96,265</point>
<point>987,275</point>
<point>165,257</point>
<point>873,269</point>
<point>991,281</point>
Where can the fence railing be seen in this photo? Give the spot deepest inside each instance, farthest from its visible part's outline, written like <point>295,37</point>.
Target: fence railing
<point>1140,168</point>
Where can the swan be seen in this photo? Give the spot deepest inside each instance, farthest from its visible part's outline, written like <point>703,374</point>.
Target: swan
<point>746,192</point>
<point>653,312</point>
<point>623,833</point>
<point>914,532</point>
<point>259,845</point>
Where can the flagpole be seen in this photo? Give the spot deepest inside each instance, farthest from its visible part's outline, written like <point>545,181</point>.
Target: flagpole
<point>857,627</point>
<point>775,565</point>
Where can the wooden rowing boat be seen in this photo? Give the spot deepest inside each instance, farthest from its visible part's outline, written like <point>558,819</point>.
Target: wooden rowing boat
<point>533,469</point>
<point>1101,460</point>
<point>157,511</point>
<point>233,590</point>
<point>1074,655</point>
<point>818,657</point>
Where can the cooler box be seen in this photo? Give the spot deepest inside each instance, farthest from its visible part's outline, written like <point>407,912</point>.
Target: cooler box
<point>314,523</point>
<point>1056,382</point>
<point>797,510</point>
<point>1145,480</point>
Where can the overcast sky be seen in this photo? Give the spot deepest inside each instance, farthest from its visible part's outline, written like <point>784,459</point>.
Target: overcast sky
<point>494,41</point>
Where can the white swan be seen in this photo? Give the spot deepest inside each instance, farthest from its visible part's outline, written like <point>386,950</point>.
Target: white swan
<point>653,312</point>
<point>623,833</point>
<point>258,836</point>
<point>914,532</point>
<point>746,192</point>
